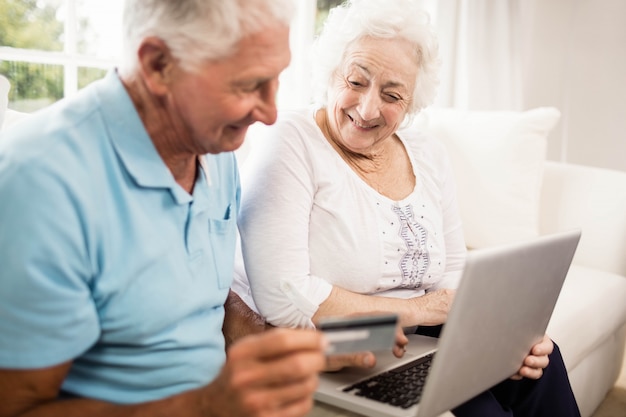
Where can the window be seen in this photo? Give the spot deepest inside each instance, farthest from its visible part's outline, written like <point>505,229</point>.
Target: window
<point>51,48</point>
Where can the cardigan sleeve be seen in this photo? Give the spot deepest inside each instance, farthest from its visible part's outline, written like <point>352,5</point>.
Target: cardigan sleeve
<point>278,188</point>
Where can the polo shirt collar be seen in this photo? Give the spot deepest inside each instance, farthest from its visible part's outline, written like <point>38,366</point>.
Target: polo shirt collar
<point>131,141</point>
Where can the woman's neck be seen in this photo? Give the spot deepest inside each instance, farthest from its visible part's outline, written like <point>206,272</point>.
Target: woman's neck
<point>387,169</point>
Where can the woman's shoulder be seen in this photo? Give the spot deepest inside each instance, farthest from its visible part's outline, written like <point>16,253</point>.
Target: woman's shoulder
<point>422,143</point>
<point>300,119</point>
<point>294,129</point>
<point>294,138</point>
<point>289,123</point>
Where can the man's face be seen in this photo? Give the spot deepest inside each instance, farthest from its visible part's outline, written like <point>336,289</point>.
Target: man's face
<point>215,104</point>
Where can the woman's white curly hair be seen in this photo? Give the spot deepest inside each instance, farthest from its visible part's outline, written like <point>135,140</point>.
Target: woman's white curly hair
<point>386,19</point>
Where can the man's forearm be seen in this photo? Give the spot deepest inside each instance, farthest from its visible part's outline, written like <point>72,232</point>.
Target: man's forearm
<point>240,320</point>
<point>186,403</point>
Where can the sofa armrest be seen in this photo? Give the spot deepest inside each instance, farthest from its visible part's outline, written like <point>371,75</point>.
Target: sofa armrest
<point>594,200</point>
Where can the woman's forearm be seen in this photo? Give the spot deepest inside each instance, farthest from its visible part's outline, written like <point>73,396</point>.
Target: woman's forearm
<point>430,309</point>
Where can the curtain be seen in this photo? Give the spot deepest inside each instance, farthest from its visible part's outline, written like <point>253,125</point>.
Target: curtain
<point>482,50</point>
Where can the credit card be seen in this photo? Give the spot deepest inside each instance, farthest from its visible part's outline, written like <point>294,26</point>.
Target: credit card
<point>359,333</point>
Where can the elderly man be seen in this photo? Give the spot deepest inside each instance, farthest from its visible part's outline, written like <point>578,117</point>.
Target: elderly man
<point>117,229</point>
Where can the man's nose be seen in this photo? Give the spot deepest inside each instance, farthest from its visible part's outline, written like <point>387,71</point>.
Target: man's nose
<point>265,111</point>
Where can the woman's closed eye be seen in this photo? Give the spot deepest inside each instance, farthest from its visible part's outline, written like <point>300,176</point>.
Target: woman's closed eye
<point>392,98</point>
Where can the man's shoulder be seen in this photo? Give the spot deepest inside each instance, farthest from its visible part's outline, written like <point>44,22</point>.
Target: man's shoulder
<point>61,144</point>
<point>46,129</point>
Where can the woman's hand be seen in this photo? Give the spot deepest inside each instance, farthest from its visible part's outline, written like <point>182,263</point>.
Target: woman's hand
<point>365,359</point>
<point>536,361</point>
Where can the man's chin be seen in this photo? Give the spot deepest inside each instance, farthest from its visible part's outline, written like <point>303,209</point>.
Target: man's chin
<point>235,142</point>
<point>231,141</point>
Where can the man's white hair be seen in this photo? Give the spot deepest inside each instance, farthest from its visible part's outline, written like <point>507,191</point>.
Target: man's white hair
<point>196,31</point>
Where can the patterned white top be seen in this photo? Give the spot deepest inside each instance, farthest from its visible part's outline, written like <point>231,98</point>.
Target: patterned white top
<point>309,222</point>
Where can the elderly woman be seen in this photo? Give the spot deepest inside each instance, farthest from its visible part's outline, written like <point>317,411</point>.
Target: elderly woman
<point>353,213</point>
<point>347,210</point>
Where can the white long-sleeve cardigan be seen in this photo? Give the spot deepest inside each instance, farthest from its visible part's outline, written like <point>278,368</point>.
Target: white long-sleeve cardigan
<point>309,222</point>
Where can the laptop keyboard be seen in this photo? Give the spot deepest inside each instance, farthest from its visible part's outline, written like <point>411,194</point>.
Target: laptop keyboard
<point>400,387</point>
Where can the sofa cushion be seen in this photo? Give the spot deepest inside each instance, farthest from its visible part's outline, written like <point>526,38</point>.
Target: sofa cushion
<point>589,309</point>
<point>498,158</point>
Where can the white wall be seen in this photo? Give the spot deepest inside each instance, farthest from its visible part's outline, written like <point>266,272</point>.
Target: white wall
<point>576,61</point>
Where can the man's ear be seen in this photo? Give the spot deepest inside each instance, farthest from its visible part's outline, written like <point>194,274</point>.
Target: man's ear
<point>156,64</point>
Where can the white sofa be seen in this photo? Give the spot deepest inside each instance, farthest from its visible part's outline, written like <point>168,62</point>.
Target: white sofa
<point>508,190</point>
<point>589,321</point>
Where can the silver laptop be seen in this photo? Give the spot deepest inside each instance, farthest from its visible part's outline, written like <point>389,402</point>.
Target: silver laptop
<point>501,309</point>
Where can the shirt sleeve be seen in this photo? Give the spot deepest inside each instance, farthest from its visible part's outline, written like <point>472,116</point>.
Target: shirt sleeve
<point>278,188</point>
<point>47,315</point>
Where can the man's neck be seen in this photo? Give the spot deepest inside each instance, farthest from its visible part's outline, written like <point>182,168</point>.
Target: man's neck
<point>165,130</point>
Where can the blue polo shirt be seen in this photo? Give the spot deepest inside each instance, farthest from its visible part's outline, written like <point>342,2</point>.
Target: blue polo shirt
<point>104,259</point>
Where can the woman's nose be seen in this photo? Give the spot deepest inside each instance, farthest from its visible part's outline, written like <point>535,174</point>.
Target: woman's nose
<point>369,105</point>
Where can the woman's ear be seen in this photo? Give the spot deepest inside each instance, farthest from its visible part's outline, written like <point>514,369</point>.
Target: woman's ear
<point>156,64</point>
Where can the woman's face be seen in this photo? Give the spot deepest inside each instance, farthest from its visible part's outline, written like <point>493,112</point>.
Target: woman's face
<point>370,92</point>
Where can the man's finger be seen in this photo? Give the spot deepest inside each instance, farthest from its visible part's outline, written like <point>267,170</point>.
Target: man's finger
<point>277,342</point>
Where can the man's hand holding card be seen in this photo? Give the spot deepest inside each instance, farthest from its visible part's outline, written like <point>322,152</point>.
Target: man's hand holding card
<point>354,340</point>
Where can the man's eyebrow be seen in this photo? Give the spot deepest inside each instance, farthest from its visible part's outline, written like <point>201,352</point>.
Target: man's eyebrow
<point>247,81</point>
<point>251,81</point>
